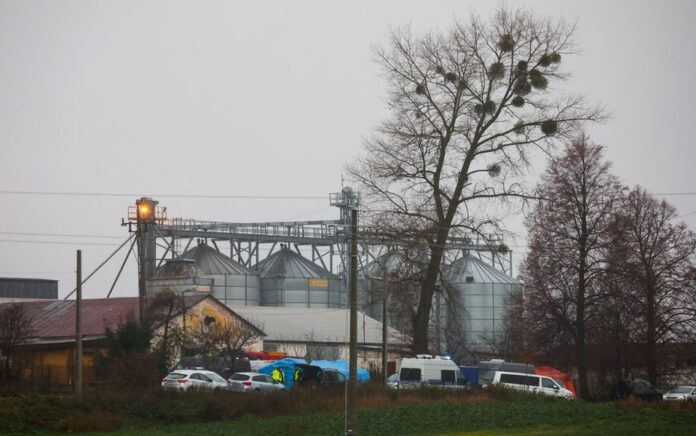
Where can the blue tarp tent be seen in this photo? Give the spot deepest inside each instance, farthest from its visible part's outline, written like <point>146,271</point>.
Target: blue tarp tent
<point>342,367</point>
<point>286,365</point>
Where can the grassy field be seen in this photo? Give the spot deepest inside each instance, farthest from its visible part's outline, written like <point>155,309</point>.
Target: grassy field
<point>319,412</point>
<point>499,418</point>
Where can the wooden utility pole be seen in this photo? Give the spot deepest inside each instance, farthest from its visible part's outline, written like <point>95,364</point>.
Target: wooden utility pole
<point>385,287</point>
<point>353,355</point>
<point>78,326</point>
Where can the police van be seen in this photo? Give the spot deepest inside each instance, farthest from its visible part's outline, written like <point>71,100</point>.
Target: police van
<point>426,370</point>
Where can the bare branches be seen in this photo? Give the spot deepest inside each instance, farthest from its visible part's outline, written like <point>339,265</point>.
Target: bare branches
<point>15,327</point>
<point>461,101</point>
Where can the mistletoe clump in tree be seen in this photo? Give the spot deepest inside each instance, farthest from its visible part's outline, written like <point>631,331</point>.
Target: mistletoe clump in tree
<point>481,95</point>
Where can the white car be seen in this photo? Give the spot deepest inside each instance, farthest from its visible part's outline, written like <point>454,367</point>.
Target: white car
<point>185,379</point>
<point>532,383</point>
<point>681,393</point>
<point>253,382</point>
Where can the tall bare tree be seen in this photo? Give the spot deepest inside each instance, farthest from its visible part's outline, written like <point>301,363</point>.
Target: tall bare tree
<point>656,263</point>
<point>465,108</point>
<point>15,327</point>
<point>568,233</point>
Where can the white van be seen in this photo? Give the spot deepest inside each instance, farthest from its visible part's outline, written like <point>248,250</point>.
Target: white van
<point>532,383</point>
<point>430,371</point>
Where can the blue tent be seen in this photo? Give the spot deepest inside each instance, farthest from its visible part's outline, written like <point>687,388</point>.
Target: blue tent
<point>286,365</point>
<point>342,367</point>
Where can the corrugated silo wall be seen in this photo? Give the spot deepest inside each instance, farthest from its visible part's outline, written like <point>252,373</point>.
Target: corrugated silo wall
<point>301,292</point>
<point>370,297</point>
<point>236,289</point>
<point>28,288</point>
<point>270,290</point>
<point>482,308</point>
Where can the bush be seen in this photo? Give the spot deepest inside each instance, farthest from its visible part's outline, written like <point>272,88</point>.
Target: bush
<point>549,127</point>
<point>522,86</point>
<point>518,101</point>
<point>519,128</point>
<point>545,60</point>
<point>496,71</point>
<point>537,80</point>
<point>506,43</point>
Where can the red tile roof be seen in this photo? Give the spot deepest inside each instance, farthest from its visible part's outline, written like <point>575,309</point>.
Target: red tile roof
<point>55,319</point>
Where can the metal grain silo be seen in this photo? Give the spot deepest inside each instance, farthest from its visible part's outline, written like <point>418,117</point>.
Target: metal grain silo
<point>289,280</point>
<point>372,280</point>
<point>179,275</point>
<point>203,268</point>
<point>480,296</point>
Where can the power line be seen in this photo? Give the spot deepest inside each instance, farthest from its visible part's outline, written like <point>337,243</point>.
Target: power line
<point>7,273</point>
<point>61,235</point>
<point>673,193</point>
<point>24,241</point>
<point>209,196</point>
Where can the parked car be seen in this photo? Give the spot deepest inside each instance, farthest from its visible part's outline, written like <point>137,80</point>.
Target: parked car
<point>681,393</point>
<point>185,379</point>
<point>223,366</point>
<point>393,381</point>
<point>331,377</point>
<point>253,382</point>
<point>487,369</point>
<point>531,383</point>
<point>638,388</point>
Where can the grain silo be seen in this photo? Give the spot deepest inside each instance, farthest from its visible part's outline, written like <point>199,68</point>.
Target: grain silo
<point>480,295</point>
<point>179,275</point>
<point>383,272</point>
<point>289,280</point>
<point>230,282</point>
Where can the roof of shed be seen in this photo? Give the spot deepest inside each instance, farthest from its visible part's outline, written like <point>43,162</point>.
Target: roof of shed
<point>55,319</point>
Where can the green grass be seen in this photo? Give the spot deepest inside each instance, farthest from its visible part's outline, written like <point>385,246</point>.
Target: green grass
<point>320,412</point>
<point>521,417</point>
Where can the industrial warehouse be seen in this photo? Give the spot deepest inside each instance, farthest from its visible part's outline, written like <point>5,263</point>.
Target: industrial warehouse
<point>291,280</point>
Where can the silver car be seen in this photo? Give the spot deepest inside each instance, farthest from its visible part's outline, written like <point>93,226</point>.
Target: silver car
<point>185,379</point>
<point>253,382</point>
<point>681,393</point>
<point>393,381</point>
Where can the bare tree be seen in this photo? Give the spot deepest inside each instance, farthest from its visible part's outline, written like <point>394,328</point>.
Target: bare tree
<point>568,235</point>
<point>466,107</point>
<point>163,310</point>
<point>225,338</point>
<point>656,259</point>
<point>15,327</point>
<point>616,323</point>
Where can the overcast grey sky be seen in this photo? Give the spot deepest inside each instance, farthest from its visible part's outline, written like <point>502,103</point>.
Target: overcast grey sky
<point>271,98</point>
